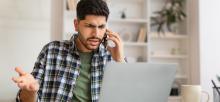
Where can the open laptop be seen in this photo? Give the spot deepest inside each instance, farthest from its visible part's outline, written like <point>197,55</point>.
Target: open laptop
<point>137,82</point>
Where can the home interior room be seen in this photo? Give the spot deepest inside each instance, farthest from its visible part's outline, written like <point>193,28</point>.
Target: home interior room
<point>191,42</point>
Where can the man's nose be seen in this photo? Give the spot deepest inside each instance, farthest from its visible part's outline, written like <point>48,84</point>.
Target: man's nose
<point>95,31</point>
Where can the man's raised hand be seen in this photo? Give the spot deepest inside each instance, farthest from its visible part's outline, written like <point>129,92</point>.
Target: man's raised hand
<point>26,81</point>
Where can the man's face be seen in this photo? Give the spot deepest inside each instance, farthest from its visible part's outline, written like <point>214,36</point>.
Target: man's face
<point>91,31</point>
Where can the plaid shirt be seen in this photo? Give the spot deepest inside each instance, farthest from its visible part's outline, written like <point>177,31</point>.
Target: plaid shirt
<point>57,69</point>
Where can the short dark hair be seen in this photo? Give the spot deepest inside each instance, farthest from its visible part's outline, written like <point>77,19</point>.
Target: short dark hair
<point>91,7</point>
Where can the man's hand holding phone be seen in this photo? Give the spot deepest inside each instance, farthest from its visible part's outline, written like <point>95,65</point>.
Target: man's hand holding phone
<point>116,50</point>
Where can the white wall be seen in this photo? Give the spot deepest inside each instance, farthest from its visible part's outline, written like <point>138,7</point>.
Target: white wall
<point>209,41</point>
<point>24,29</point>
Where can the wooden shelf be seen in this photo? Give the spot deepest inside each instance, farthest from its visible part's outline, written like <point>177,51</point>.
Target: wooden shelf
<point>181,77</point>
<point>174,99</point>
<point>169,56</point>
<point>168,36</point>
<point>144,44</point>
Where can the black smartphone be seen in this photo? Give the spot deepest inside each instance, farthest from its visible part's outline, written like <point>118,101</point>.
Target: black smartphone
<point>104,41</point>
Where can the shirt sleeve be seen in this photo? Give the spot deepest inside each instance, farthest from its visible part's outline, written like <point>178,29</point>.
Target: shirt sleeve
<point>38,71</point>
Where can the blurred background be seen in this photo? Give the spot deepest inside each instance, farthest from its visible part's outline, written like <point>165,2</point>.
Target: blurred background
<point>192,42</point>
<point>25,26</point>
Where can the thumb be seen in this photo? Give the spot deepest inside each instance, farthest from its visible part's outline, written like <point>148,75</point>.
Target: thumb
<point>34,87</point>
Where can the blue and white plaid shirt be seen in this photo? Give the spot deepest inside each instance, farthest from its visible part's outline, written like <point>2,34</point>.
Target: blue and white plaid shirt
<point>57,69</point>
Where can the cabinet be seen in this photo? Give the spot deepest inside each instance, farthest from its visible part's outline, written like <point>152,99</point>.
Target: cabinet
<point>131,20</point>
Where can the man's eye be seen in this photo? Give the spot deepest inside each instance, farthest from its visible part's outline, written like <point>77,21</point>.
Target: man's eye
<point>93,26</point>
<point>89,26</point>
<point>101,27</point>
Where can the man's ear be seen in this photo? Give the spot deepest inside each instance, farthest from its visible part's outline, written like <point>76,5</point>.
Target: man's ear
<point>76,25</point>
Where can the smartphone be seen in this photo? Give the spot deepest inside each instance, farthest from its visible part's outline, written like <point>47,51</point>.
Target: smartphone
<point>104,41</point>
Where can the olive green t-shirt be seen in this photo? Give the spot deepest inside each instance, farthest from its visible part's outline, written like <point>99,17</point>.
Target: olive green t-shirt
<point>82,90</point>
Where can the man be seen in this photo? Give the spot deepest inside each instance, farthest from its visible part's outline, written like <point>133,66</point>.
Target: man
<point>72,71</point>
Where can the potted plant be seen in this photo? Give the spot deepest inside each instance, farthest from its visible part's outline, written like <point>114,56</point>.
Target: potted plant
<point>172,13</point>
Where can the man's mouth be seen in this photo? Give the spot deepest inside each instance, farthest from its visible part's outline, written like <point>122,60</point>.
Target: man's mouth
<point>94,42</point>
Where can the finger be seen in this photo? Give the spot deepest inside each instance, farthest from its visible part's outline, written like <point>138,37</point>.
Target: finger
<point>115,40</point>
<point>114,35</point>
<point>111,33</point>
<point>20,71</point>
<point>108,31</point>
<point>17,80</point>
<point>14,79</point>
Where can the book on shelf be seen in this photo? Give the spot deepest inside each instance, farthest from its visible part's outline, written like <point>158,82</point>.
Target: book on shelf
<point>141,35</point>
<point>71,5</point>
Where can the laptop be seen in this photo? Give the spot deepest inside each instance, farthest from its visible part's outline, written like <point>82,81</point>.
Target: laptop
<point>137,82</point>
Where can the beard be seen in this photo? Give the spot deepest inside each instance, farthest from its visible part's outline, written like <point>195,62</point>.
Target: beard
<point>90,43</point>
